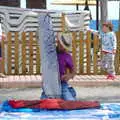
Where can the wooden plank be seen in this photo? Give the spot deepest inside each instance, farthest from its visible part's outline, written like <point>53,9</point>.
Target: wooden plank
<point>81,53</point>
<point>88,52</point>
<point>100,55</point>
<point>74,50</point>
<point>16,53</point>
<point>117,57</point>
<point>23,53</point>
<point>24,42</point>
<point>37,58</point>
<point>3,56</point>
<point>63,22</point>
<point>31,54</point>
<point>9,65</point>
<point>95,56</point>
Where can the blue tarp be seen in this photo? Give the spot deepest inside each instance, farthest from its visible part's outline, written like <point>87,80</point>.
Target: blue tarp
<point>108,111</point>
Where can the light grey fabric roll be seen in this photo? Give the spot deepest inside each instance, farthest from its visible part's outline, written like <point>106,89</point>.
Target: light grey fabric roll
<point>50,68</point>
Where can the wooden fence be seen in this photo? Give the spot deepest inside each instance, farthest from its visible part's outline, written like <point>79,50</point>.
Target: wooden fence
<point>21,53</point>
<point>87,54</point>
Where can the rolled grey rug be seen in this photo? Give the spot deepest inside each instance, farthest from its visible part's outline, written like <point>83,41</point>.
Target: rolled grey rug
<point>49,62</point>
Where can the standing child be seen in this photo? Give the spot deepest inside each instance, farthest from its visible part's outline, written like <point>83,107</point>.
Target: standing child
<point>109,44</point>
<point>65,62</point>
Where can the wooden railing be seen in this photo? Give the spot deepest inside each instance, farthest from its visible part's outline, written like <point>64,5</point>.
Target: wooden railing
<point>21,53</point>
<point>87,54</point>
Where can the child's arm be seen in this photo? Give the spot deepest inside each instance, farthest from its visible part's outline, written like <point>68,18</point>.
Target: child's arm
<point>70,67</point>
<point>68,76</point>
<point>95,32</point>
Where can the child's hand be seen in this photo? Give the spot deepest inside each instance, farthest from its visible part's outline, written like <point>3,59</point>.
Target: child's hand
<point>95,33</point>
<point>67,77</point>
<point>114,51</point>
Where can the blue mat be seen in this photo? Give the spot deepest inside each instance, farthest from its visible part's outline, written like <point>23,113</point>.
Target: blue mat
<point>108,111</point>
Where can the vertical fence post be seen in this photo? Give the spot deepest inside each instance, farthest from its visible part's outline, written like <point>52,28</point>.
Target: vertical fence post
<point>81,43</point>
<point>16,53</point>
<point>31,53</point>
<point>95,54</point>
<point>88,52</point>
<point>117,57</point>
<point>63,22</point>
<point>74,50</point>
<point>9,56</point>
<point>23,62</point>
<point>37,56</point>
<point>3,56</point>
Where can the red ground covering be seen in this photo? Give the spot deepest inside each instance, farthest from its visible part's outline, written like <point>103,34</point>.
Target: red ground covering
<point>54,104</point>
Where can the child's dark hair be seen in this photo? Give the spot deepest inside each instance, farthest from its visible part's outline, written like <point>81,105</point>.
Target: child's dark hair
<point>109,25</point>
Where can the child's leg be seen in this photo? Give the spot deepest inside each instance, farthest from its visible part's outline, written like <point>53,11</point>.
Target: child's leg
<point>104,62</point>
<point>111,67</point>
<point>67,93</point>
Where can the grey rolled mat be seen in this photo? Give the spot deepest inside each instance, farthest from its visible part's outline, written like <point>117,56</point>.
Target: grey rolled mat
<point>50,68</point>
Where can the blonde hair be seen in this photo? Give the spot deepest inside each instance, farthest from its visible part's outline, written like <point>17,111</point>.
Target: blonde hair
<point>109,25</point>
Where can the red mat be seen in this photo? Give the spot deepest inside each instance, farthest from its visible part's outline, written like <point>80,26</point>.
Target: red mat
<point>54,104</point>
